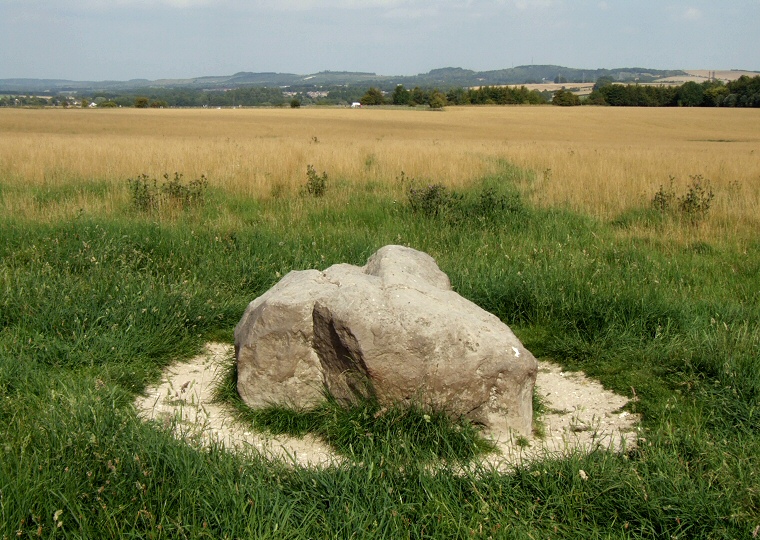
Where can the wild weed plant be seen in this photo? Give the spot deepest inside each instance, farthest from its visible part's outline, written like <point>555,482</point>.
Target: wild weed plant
<point>431,201</point>
<point>664,197</point>
<point>693,206</point>
<point>316,185</point>
<point>148,196</point>
<point>490,202</point>
<point>696,202</point>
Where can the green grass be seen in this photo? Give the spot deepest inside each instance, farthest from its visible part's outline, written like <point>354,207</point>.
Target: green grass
<point>92,308</point>
<point>368,431</point>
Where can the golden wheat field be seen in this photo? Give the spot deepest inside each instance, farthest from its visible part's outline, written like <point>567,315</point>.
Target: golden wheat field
<point>601,161</point>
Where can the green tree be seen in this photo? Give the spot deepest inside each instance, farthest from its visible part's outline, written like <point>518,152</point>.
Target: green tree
<point>437,100</point>
<point>743,92</point>
<point>714,93</point>
<point>401,95</point>
<point>596,98</point>
<point>295,103</point>
<point>534,97</point>
<point>374,96</point>
<point>690,94</point>
<point>601,82</point>
<point>565,98</point>
<point>418,96</point>
<point>458,96</point>
<point>142,102</point>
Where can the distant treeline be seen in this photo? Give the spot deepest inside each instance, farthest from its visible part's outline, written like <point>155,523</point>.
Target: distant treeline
<point>743,92</point>
<point>486,95</point>
<point>179,97</point>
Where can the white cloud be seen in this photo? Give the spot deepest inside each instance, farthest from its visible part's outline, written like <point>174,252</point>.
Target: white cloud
<point>524,5</point>
<point>411,13</point>
<point>306,5</point>
<point>692,14</point>
<point>105,5</point>
<point>170,3</point>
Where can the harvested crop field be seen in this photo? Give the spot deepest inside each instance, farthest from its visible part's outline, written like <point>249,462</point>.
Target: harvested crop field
<point>601,161</point>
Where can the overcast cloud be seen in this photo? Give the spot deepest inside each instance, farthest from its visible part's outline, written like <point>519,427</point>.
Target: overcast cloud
<point>126,39</point>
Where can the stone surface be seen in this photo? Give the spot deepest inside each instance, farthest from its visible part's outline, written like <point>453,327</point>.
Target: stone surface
<point>392,329</point>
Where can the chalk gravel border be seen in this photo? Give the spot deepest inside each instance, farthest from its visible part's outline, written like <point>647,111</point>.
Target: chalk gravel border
<point>581,416</point>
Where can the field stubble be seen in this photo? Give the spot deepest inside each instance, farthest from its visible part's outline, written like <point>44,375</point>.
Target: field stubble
<point>602,161</point>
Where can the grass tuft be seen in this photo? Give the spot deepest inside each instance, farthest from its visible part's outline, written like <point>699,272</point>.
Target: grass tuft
<point>399,434</point>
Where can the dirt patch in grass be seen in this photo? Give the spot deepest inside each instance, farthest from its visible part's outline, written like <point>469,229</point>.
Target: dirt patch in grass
<point>580,415</point>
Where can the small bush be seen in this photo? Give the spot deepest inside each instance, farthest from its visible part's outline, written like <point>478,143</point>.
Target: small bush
<point>143,191</point>
<point>316,185</point>
<point>491,204</point>
<point>663,199</point>
<point>488,205</point>
<point>432,200</point>
<point>148,196</point>
<point>182,195</point>
<point>693,205</point>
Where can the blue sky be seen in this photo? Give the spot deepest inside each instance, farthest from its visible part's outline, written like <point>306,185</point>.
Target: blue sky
<point>125,39</point>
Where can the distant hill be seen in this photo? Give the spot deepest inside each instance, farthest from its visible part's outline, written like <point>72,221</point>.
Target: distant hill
<point>542,74</point>
<point>441,78</point>
<point>702,75</point>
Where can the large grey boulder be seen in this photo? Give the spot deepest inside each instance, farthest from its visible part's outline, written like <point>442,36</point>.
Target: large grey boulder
<point>393,330</point>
